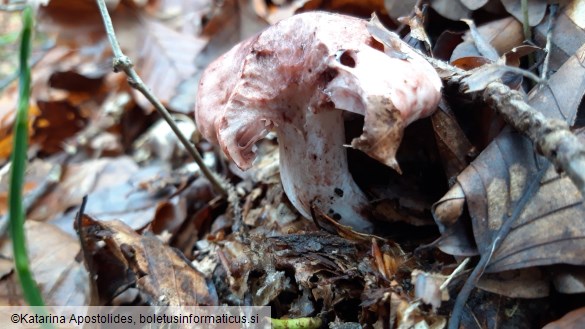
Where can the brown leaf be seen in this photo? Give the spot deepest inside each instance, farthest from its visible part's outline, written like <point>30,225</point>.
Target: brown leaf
<point>473,4</point>
<point>503,35</point>
<point>450,9</point>
<point>513,56</point>
<point>536,10</point>
<point>383,130</point>
<point>138,199</point>
<point>454,147</point>
<point>74,21</point>
<point>184,16</point>
<point>324,263</point>
<point>398,8</point>
<point>546,231</point>
<point>446,43</point>
<point>456,235</point>
<point>78,180</point>
<point>167,59</point>
<point>568,34</point>
<point>75,81</point>
<point>58,121</point>
<point>118,257</point>
<point>523,283</point>
<point>574,319</point>
<point>330,225</point>
<point>482,45</point>
<point>417,28</point>
<point>52,256</point>
<point>170,59</point>
<point>569,279</point>
<point>36,173</point>
<point>65,87</point>
<point>8,101</point>
<point>360,8</point>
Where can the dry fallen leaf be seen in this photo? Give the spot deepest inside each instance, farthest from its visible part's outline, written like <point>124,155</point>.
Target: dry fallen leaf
<point>78,180</point>
<point>58,121</point>
<point>473,4</point>
<point>536,10</point>
<point>450,9</point>
<point>119,259</point>
<point>503,34</point>
<point>325,264</point>
<point>571,320</point>
<point>496,183</point>
<point>568,33</point>
<point>8,101</point>
<point>399,8</point>
<point>166,60</point>
<point>453,146</point>
<point>140,198</point>
<point>523,283</point>
<point>52,255</point>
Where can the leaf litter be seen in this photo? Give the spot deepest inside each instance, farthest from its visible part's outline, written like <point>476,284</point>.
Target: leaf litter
<point>173,226</point>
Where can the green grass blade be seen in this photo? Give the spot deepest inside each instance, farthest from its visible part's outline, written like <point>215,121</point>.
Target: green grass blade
<point>30,290</point>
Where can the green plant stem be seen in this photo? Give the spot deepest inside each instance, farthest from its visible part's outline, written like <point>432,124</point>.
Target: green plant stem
<point>527,34</point>
<point>525,20</point>
<point>32,295</point>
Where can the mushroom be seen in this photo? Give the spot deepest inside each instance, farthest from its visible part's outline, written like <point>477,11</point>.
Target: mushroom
<point>296,78</point>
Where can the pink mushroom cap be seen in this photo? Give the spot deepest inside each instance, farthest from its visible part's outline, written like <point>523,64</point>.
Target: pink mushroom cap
<point>296,78</point>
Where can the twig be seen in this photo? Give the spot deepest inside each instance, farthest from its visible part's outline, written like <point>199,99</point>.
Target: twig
<point>547,48</point>
<point>456,272</point>
<point>485,258</point>
<point>552,137</point>
<point>87,256</point>
<point>123,63</point>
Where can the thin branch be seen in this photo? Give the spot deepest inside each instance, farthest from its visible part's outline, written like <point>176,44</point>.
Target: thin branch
<point>552,137</point>
<point>87,256</point>
<point>460,268</point>
<point>123,63</point>
<point>547,49</point>
<point>485,258</point>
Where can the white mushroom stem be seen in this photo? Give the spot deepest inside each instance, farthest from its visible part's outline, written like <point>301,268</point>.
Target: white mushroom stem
<point>296,78</point>
<point>314,172</point>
